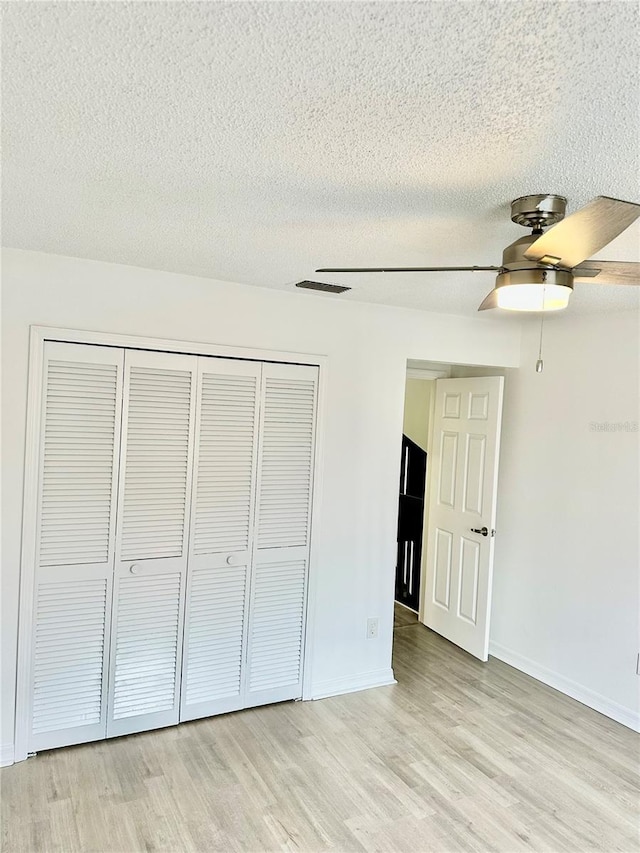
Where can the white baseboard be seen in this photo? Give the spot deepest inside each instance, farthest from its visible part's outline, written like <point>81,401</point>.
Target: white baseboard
<point>352,683</point>
<point>621,714</point>
<point>6,754</point>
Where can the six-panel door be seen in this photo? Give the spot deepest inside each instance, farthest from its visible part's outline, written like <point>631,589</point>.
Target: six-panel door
<point>462,503</point>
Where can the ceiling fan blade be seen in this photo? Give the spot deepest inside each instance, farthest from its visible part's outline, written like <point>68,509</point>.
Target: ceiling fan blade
<point>490,301</point>
<point>607,272</point>
<point>407,269</point>
<point>584,233</point>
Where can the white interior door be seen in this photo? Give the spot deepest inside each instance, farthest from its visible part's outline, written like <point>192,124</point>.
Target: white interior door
<point>152,540</point>
<point>78,474</point>
<point>281,561</point>
<point>222,524</point>
<point>462,509</point>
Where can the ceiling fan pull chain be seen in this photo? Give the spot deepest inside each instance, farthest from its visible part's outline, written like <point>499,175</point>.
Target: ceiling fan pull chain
<point>540,362</point>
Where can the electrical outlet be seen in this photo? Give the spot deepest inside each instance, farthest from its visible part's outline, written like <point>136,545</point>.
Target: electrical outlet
<point>372,629</point>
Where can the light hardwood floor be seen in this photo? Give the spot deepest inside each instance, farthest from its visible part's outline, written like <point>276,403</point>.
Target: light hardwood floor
<point>458,756</point>
<point>402,617</point>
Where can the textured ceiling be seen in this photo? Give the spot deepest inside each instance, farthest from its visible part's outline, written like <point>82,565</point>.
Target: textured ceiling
<point>253,142</point>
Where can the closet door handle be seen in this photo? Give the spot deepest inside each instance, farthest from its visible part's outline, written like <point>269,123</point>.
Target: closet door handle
<point>231,560</point>
<point>144,569</point>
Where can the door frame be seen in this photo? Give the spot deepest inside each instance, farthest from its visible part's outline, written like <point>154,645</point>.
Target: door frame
<point>38,335</point>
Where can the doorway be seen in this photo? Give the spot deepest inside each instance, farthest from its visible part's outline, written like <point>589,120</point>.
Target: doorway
<point>450,446</point>
<point>413,471</point>
<point>413,487</point>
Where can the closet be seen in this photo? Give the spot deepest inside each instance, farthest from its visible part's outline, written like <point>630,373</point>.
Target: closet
<point>173,521</point>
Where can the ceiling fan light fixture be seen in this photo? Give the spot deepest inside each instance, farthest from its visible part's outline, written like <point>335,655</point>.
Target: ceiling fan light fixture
<point>533,297</point>
<point>531,290</point>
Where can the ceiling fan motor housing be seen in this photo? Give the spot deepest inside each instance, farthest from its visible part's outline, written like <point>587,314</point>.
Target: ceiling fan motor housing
<point>513,256</point>
<point>513,259</point>
<point>516,269</point>
<point>541,276</point>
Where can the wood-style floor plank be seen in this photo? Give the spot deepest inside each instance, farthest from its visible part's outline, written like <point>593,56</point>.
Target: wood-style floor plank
<point>458,756</point>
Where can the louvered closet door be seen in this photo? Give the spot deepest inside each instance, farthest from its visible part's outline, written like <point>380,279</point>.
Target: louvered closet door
<point>81,405</point>
<point>221,536</point>
<point>152,540</point>
<point>279,582</point>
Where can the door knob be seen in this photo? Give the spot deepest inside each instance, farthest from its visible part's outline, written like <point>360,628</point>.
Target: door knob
<point>230,560</point>
<point>134,569</point>
<point>483,531</point>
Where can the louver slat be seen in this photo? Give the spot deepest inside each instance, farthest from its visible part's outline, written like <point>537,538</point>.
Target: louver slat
<point>276,625</point>
<point>215,634</point>
<point>80,413</point>
<point>157,458</point>
<point>286,462</point>
<point>145,667</point>
<point>68,655</point>
<point>224,463</point>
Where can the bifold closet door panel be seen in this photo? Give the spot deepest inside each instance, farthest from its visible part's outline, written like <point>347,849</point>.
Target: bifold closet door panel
<point>152,540</point>
<point>75,543</point>
<point>285,486</point>
<point>222,527</point>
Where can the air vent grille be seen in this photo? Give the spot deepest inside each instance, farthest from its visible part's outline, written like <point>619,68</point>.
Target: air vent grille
<point>319,285</point>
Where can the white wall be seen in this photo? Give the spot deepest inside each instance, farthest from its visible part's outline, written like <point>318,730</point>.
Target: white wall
<point>417,408</point>
<point>566,586</point>
<point>367,348</point>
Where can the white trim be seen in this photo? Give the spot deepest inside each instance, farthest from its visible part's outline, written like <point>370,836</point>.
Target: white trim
<point>316,512</point>
<point>6,755</point>
<point>353,683</point>
<point>621,714</point>
<point>38,336</point>
<point>429,375</point>
<point>28,541</point>
<point>78,336</point>
<point>422,603</point>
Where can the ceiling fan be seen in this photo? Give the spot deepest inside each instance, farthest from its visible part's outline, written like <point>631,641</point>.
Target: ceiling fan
<point>538,271</point>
